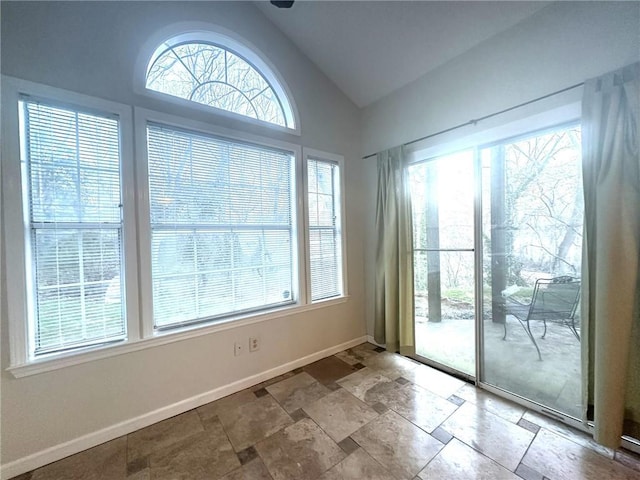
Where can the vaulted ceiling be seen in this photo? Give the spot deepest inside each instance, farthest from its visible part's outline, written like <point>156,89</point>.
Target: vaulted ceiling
<point>371,48</point>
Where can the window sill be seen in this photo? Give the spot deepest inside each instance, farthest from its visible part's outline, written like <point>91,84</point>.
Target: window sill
<point>69,359</point>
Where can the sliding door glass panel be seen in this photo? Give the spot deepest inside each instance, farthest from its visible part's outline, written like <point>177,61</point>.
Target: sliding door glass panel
<point>532,241</point>
<point>442,193</point>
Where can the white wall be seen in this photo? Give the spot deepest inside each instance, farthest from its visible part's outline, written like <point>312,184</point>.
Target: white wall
<point>91,48</point>
<point>562,45</point>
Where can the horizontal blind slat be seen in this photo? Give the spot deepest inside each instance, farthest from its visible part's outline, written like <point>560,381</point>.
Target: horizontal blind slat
<point>324,233</point>
<point>222,219</point>
<point>73,165</point>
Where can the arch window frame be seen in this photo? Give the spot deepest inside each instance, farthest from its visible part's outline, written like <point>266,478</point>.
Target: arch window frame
<point>204,33</point>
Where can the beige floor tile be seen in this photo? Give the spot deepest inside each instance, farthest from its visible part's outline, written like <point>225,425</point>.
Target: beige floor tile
<point>365,348</point>
<point>397,444</point>
<point>363,351</point>
<point>340,414</point>
<point>391,365</point>
<point>498,439</point>
<point>300,451</point>
<point>298,391</point>
<point>568,432</point>
<point>420,406</point>
<point>141,475</point>
<point>162,434</point>
<point>253,421</point>
<point>202,456</point>
<point>559,458</point>
<point>510,411</point>
<point>628,459</point>
<point>434,380</point>
<point>368,385</point>
<point>358,466</point>
<point>108,460</point>
<point>212,409</point>
<point>459,461</point>
<point>271,381</point>
<point>349,357</point>
<point>254,470</point>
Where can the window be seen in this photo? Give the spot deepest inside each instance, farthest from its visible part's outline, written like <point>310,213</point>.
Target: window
<point>325,235</point>
<point>207,72</point>
<point>71,161</point>
<point>222,237</point>
<point>113,248</point>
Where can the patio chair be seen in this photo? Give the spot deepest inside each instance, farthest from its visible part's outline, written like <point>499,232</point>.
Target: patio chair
<point>554,299</point>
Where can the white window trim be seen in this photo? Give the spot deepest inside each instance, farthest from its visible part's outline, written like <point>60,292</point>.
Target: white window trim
<point>72,358</point>
<point>13,204</point>
<point>142,117</point>
<point>313,154</point>
<point>140,332</point>
<point>225,38</point>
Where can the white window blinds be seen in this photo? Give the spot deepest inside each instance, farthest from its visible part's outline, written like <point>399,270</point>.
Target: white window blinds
<point>325,242</point>
<point>71,164</point>
<point>221,226</point>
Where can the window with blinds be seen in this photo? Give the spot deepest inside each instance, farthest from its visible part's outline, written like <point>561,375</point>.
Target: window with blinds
<point>221,214</point>
<point>71,165</point>
<point>325,237</point>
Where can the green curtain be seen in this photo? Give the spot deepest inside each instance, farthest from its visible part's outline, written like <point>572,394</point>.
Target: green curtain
<point>611,249</point>
<point>393,325</point>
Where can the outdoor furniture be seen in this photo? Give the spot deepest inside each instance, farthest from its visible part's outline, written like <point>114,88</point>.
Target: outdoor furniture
<point>554,299</point>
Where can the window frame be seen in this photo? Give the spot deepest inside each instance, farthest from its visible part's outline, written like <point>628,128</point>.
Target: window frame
<point>526,123</point>
<point>140,332</point>
<point>142,118</point>
<point>313,154</point>
<point>231,41</point>
<point>16,215</point>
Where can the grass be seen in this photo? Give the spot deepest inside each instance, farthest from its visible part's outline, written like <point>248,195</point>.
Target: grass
<point>61,322</point>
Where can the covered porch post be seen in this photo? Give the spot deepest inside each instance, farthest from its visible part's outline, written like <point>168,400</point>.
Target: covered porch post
<point>498,234</point>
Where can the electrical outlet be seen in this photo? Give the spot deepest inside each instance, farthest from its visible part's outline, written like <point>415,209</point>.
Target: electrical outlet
<point>238,348</point>
<point>254,344</point>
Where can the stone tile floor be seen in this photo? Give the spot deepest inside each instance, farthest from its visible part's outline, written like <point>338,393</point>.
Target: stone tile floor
<point>360,414</point>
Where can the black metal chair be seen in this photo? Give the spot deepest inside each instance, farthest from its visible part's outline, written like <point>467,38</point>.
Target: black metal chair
<point>554,299</point>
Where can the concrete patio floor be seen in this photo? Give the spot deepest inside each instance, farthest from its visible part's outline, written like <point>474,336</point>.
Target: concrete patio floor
<point>511,364</point>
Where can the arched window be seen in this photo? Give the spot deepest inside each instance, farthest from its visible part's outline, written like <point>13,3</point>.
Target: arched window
<point>200,70</point>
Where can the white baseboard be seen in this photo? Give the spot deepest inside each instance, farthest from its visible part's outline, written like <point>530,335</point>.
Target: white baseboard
<point>58,452</point>
<point>631,444</point>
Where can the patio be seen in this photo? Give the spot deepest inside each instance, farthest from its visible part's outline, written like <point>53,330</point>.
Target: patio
<point>511,364</point>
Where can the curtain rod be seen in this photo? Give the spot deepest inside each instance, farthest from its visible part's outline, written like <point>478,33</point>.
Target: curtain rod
<point>475,121</point>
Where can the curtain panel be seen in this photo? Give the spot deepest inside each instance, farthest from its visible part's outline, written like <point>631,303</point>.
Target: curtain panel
<point>610,313</point>
<point>393,322</point>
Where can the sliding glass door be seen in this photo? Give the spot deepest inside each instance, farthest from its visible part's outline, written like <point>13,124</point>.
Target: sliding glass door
<point>532,246</point>
<point>500,227</point>
<point>444,280</point>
